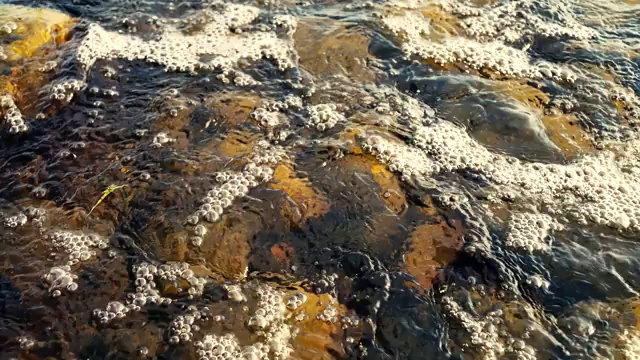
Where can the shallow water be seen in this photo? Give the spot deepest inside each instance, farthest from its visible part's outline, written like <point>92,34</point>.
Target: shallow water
<point>320,180</point>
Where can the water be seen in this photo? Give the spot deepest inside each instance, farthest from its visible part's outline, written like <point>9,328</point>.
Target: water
<point>320,180</point>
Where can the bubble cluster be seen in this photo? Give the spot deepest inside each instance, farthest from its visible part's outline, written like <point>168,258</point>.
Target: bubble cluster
<point>16,220</point>
<point>218,347</point>
<point>234,293</point>
<point>181,328</point>
<point>272,116</point>
<point>48,66</point>
<point>26,343</point>
<point>6,28</point>
<point>495,55</point>
<point>267,321</point>
<point>296,300</point>
<point>609,328</point>
<point>233,185</point>
<point>150,278</point>
<point>324,116</point>
<point>11,114</point>
<point>490,333</point>
<point>530,231</point>
<point>161,139</point>
<point>270,308</point>
<point>60,278</point>
<point>268,118</point>
<point>177,273</point>
<point>599,189</point>
<point>114,310</point>
<point>514,21</point>
<point>65,90</point>
<point>400,107</point>
<point>222,42</point>
<point>77,245</point>
<point>329,314</point>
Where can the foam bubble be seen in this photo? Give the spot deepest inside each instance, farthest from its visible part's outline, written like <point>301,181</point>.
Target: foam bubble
<point>220,44</point>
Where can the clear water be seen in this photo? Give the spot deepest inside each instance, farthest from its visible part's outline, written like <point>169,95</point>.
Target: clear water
<point>417,266</point>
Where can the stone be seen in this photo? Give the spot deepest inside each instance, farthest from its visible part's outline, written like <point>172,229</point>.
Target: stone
<point>305,201</point>
<point>328,47</point>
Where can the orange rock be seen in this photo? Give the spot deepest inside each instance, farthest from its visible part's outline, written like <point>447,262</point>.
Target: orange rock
<point>282,252</point>
<point>306,202</point>
<point>431,247</point>
<point>175,247</point>
<point>524,93</point>
<point>234,108</point>
<point>441,21</point>
<point>237,143</point>
<point>564,130</point>
<point>329,48</point>
<point>316,336</point>
<point>390,188</point>
<point>226,246</point>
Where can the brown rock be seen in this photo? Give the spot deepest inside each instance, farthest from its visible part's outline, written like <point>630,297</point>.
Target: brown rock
<point>564,130</point>
<point>441,21</point>
<point>226,246</point>
<point>390,188</point>
<point>524,93</point>
<point>39,33</point>
<point>316,337</point>
<point>234,108</point>
<point>175,247</point>
<point>237,143</point>
<point>431,247</point>
<point>305,201</point>
<point>329,48</point>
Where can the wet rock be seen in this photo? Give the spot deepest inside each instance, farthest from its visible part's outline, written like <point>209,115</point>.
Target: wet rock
<point>34,28</point>
<point>327,48</point>
<point>431,247</point>
<point>226,245</point>
<point>234,108</point>
<point>442,21</point>
<point>34,34</point>
<point>522,92</point>
<point>303,201</point>
<point>488,323</point>
<point>321,324</point>
<point>391,191</point>
<point>610,329</point>
<point>237,143</point>
<point>564,130</point>
<point>175,246</point>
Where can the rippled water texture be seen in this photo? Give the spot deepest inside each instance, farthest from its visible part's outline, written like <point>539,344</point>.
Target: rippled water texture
<point>272,179</point>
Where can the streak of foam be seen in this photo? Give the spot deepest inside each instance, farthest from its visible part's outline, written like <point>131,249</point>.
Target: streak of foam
<point>495,55</point>
<point>220,45</point>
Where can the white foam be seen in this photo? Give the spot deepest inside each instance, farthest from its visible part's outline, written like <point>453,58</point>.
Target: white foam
<point>220,45</point>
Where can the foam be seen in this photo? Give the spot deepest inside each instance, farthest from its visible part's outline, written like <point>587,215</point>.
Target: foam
<point>233,185</point>
<point>267,323</point>
<point>150,278</point>
<point>324,116</point>
<point>12,116</point>
<point>60,278</point>
<point>514,21</point>
<point>595,189</point>
<point>64,90</point>
<point>530,231</point>
<point>502,330</point>
<point>220,45</point>
<point>494,55</point>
